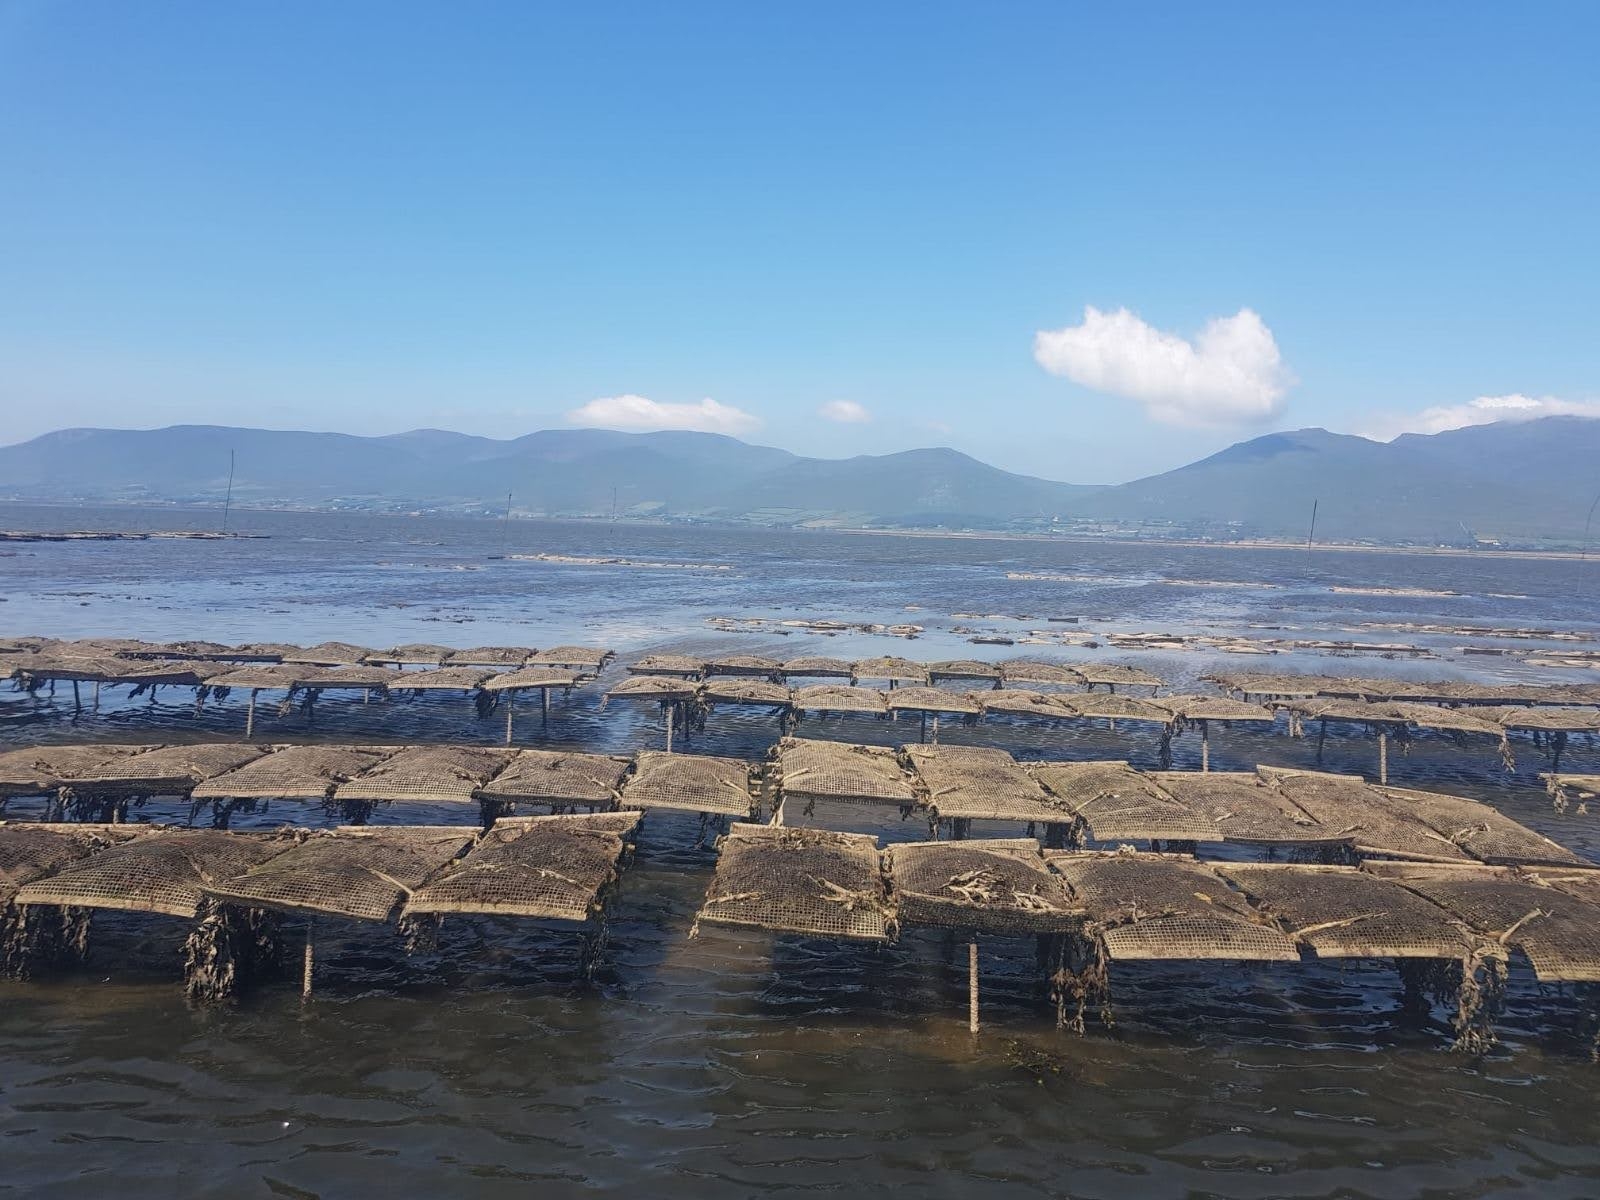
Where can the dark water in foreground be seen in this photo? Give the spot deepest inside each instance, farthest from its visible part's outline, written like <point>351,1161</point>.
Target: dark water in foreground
<point>735,1064</point>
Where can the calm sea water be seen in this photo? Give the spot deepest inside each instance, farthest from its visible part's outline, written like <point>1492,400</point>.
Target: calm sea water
<point>735,1064</point>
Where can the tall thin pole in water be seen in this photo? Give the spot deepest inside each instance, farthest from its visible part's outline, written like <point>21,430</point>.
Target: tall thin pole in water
<point>1311,535</point>
<point>227,501</point>
<point>972,986</point>
<point>1589,520</point>
<point>505,526</point>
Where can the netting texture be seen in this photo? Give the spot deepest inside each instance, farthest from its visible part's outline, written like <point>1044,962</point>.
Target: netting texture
<point>1557,931</point>
<point>1018,702</point>
<point>160,872</point>
<point>587,657</point>
<point>1479,829</point>
<point>293,772</point>
<point>488,656</point>
<point>736,690</point>
<point>39,769</point>
<point>171,768</point>
<point>979,783</point>
<point>1347,807</point>
<point>362,874</point>
<point>838,771</point>
<point>1117,803</point>
<point>994,886</point>
<point>30,852</point>
<point>830,697</point>
<point>557,777</point>
<point>1166,908</point>
<point>1341,912</point>
<point>1028,671</point>
<point>550,868</point>
<point>690,783</point>
<point>890,668</point>
<point>1244,808</point>
<point>817,666</point>
<point>931,700</point>
<point>806,881</point>
<point>439,774</point>
<point>447,679</point>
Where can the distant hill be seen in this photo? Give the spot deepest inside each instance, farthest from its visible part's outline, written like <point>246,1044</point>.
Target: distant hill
<point>1527,483</point>
<point>555,472</point>
<point>913,487</point>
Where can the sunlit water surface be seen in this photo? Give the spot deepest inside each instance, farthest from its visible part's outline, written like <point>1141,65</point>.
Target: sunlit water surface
<point>737,1064</point>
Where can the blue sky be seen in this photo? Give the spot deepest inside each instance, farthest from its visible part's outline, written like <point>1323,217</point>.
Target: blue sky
<point>494,218</point>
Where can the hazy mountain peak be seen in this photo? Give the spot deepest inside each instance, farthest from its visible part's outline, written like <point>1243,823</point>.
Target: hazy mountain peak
<point>1530,480</point>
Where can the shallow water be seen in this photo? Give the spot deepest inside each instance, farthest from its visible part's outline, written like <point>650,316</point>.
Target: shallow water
<point>736,1064</point>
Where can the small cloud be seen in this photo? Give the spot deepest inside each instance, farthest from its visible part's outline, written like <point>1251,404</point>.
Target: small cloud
<point>846,412</point>
<point>638,413</point>
<point>1485,410</point>
<point>1230,374</point>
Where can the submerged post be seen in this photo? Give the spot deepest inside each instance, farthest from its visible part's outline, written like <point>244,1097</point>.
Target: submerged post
<point>1322,736</point>
<point>923,736</point>
<point>77,702</point>
<point>935,729</point>
<point>671,705</point>
<point>511,699</point>
<point>305,969</point>
<point>972,986</point>
<point>544,704</point>
<point>250,715</point>
<point>96,695</point>
<point>1383,756</point>
<point>1205,745</point>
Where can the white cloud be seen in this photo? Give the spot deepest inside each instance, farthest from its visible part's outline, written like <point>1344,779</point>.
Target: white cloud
<point>640,413</point>
<point>1485,410</point>
<point>1230,374</point>
<point>846,412</point>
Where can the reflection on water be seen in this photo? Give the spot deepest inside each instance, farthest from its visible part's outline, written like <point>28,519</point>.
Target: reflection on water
<point>737,1064</point>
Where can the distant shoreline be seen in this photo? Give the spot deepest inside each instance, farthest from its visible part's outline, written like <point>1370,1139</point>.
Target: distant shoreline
<point>1198,544</point>
<point>998,535</point>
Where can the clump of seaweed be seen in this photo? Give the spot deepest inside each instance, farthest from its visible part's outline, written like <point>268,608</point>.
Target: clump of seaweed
<point>1480,998</point>
<point>420,932</point>
<point>1081,978</point>
<point>228,948</point>
<point>32,937</point>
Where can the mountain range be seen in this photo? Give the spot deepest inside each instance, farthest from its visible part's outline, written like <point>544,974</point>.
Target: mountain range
<point>1527,483</point>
